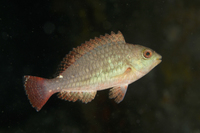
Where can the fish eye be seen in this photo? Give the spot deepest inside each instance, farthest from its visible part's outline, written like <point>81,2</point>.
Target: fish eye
<point>147,53</point>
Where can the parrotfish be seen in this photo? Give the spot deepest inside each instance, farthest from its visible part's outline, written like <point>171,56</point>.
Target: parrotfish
<point>101,63</point>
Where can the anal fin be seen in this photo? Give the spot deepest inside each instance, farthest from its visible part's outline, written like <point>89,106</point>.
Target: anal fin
<point>118,93</point>
<point>84,96</point>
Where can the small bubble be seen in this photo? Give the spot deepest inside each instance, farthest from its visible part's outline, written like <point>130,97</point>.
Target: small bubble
<point>137,121</point>
<point>49,27</point>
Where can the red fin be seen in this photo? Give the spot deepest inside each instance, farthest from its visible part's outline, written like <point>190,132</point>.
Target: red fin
<point>36,91</point>
<point>118,93</point>
<point>85,97</point>
<point>70,58</point>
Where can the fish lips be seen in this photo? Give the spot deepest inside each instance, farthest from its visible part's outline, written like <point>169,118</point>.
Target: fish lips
<point>158,60</point>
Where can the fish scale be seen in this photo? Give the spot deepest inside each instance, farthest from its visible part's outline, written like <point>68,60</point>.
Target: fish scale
<point>82,67</point>
<point>98,64</point>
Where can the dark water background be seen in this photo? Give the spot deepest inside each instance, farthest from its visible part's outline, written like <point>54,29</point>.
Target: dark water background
<point>35,36</point>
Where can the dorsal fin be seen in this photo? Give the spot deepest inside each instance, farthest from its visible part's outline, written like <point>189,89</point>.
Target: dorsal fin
<point>76,53</point>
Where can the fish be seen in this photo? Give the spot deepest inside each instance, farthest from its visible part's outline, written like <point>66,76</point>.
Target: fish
<point>98,64</point>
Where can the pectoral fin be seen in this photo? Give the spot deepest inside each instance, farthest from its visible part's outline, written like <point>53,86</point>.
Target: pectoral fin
<point>118,93</point>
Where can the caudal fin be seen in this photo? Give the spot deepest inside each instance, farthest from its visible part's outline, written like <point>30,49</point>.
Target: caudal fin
<point>37,93</point>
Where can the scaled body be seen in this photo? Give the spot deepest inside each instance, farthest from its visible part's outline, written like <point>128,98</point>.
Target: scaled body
<point>98,64</point>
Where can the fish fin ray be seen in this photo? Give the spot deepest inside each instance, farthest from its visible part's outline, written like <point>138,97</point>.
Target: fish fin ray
<point>36,91</point>
<point>118,93</point>
<point>84,96</point>
<point>76,53</point>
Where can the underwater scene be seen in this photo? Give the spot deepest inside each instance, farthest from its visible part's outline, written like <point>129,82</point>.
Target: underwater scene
<point>100,66</point>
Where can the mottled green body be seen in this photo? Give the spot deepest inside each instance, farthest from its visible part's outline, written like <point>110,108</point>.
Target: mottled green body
<point>98,67</point>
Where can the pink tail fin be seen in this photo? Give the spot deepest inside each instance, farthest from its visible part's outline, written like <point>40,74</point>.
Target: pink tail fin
<point>37,93</point>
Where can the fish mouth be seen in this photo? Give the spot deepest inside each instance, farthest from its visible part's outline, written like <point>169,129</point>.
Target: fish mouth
<point>159,59</point>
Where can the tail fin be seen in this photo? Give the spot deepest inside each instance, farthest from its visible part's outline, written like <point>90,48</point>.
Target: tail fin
<point>37,93</point>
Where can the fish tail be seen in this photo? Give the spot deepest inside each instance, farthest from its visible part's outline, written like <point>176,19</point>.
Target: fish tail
<point>36,91</point>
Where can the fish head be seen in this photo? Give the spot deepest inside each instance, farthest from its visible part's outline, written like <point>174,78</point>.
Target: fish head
<point>144,59</point>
